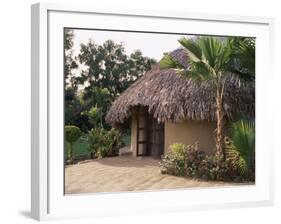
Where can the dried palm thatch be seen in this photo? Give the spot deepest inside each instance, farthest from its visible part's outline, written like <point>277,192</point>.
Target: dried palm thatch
<point>170,97</point>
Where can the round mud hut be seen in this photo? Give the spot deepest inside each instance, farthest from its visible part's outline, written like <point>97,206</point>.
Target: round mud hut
<point>164,108</point>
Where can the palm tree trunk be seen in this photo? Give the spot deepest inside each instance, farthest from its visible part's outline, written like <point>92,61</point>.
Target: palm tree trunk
<point>220,122</point>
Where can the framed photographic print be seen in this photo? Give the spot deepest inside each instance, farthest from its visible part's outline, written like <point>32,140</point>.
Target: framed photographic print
<point>148,111</point>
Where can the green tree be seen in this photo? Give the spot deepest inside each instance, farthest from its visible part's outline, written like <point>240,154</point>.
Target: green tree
<point>95,116</point>
<point>209,60</point>
<point>68,39</point>
<point>69,61</point>
<point>101,99</point>
<point>104,142</point>
<point>72,134</point>
<point>108,66</point>
<point>73,106</point>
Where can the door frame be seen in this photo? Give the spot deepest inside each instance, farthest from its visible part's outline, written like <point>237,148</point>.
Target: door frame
<point>147,131</point>
<point>145,128</point>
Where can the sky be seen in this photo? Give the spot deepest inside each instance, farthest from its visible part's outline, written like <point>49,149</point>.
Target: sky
<point>152,45</point>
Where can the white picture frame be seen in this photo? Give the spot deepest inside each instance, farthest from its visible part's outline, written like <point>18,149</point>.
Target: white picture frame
<point>48,200</point>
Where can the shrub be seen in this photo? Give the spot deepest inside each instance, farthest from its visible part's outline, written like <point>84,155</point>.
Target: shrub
<point>178,148</point>
<point>115,137</point>
<point>170,164</point>
<point>215,168</point>
<point>189,161</point>
<point>103,142</point>
<point>194,163</point>
<point>72,134</point>
<point>175,161</point>
<point>98,141</point>
<point>94,116</point>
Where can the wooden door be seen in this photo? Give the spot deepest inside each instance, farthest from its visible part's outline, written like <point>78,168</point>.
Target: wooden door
<point>142,132</point>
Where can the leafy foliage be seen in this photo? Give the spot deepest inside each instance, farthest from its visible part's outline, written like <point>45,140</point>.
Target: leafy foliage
<point>116,141</point>
<point>188,161</point>
<point>72,133</point>
<point>68,39</point>
<point>104,143</point>
<point>93,95</point>
<point>178,149</point>
<point>178,156</point>
<point>242,60</point>
<point>99,142</point>
<point>96,102</point>
<point>94,116</point>
<point>69,62</point>
<point>208,59</point>
<point>169,62</point>
<point>73,109</point>
<point>73,106</point>
<point>175,161</point>
<point>240,149</point>
<point>109,67</point>
<point>213,167</point>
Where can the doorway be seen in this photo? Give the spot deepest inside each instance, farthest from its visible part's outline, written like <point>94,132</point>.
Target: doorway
<point>150,134</point>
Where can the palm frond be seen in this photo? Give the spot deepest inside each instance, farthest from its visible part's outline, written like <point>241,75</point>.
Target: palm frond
<point>193,49</point>
<point>242,60</point>
<point>212,48</point>
<point>200,71</point>
<point>243,135</point>
<point>241,150</point>
<point>169,62</point>
<point>237,161</point>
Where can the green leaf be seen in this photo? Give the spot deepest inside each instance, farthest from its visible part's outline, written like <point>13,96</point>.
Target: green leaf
<point>242,148</point>
<point>197,72</point>
<point>168,62</point>
<point>193,49</point>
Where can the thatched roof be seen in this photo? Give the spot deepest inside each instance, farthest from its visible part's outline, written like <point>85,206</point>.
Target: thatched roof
<point>170,97</point>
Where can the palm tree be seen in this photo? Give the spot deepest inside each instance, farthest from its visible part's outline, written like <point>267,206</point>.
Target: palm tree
<point>209,59</point>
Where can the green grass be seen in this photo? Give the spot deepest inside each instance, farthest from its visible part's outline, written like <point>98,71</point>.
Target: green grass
<point>80,148</point>
<point>126,139</point>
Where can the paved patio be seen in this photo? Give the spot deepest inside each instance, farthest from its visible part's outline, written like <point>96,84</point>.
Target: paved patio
<point>124,173</point>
